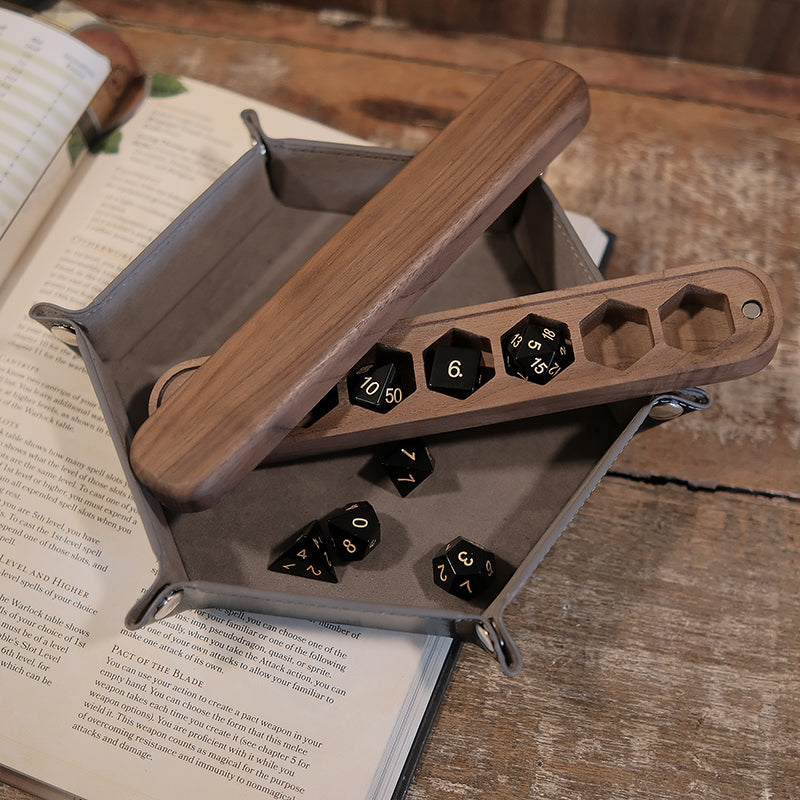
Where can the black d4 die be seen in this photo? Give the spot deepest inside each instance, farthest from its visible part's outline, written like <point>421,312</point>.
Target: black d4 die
<point>537,351</point>
<point>463,569</point>
<point>354,531</point>
<point>307,556</point>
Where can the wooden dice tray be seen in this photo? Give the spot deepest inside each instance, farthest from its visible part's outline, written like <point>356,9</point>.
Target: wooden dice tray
<point>512,486</point>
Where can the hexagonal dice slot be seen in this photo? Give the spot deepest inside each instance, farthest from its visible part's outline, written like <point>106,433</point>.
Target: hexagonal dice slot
<point>617,334</point>
<point>696,319</point>
<point>382,379</point>
<point>458,363</point>
<point>537,349</point>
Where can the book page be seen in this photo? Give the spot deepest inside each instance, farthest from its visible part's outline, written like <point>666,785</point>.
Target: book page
<point>212,703</point>
<point>47,79</point>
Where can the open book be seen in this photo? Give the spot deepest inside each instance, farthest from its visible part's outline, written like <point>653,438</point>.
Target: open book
<point>67,80</point>
<point>203,704</point>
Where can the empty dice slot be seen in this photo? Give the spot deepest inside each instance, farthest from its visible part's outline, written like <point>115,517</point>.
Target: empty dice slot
<point>696,319</point>
<point>617,334</point>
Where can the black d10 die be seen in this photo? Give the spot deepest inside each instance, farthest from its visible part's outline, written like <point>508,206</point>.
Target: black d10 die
<point>307,557</point>
<point>376,387</point>
<point>463,569</point>
<point>354,531</point>
<point>537,351</point>
<point>408,465</point>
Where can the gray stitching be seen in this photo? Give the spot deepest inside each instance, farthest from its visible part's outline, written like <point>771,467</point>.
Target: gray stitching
<point>568,240</point>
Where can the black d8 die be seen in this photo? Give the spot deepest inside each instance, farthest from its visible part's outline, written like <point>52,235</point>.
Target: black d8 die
<point>354,531</point>
<point>537,352</point>
<point>463,569</point>
<point>408,465</point>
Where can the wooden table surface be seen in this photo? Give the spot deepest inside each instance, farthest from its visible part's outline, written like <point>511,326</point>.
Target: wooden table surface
<point>661,635</point>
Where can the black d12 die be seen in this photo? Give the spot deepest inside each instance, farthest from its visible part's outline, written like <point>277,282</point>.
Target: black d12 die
<point>307,556</point>
<point>464,569</point>
<point>408,465</point>
<point>354,531</point>
<point>537,351</point>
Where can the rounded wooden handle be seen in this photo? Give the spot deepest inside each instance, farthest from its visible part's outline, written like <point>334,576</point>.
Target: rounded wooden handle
<point>284,359</point>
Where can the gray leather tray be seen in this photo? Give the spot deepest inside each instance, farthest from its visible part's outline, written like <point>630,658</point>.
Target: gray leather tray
<point>511,488</point>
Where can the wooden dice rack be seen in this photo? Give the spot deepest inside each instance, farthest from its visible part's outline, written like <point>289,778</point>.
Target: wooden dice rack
<point>243,399</point>
<point>247,401</point>
<point>631,337</point>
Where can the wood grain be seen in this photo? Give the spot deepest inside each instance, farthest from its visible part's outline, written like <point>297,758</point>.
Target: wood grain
<point>660,649</point>
<point>755,33</point>
<point>660,634</point>
<point>630,337</point>
<point>266,377</point>
<point>674,195</point>
<point>284,55</point>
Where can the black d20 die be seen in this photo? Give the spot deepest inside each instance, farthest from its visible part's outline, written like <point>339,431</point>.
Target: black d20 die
<point>463,569</point>
<point>537,352</point>
<point>408,465</point>
<point>307,556</point>
<point>354,531</point>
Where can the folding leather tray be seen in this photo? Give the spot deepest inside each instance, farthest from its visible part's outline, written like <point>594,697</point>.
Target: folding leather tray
<point>511,488</point>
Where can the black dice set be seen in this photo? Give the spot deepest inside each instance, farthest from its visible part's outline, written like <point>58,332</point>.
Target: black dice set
<point>464,569</point>
<point>457,364</point>
<point>348,534</point>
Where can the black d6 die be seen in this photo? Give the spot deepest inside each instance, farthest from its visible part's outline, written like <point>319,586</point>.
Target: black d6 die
<point>354,531</point>
<point>537,351</point>
<point>455,371</point>
<point>307,557</point>
<point>464,569</point>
